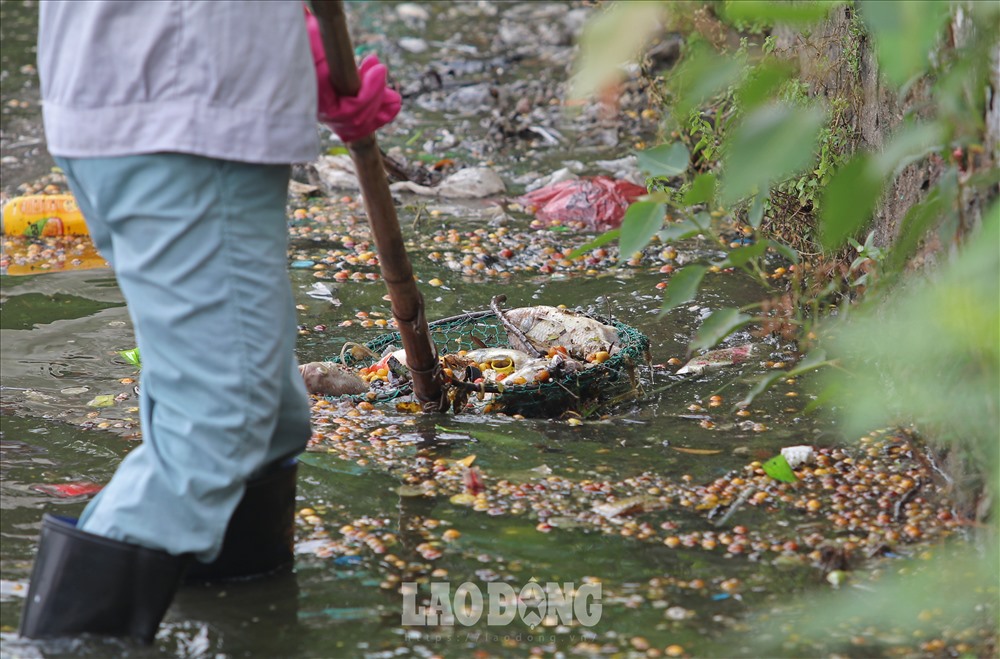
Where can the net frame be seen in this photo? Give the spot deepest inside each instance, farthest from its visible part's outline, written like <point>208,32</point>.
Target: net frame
<point>585,391</point>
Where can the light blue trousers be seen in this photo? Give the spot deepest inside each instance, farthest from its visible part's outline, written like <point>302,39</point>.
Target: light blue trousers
<point>199,248</point>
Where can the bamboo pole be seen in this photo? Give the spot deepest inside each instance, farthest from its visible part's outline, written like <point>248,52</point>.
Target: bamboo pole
<point>407,302</point>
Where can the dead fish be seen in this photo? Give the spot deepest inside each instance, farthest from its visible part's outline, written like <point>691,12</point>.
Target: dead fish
<point>547,327</point>
<point>718,358</point>
<point>331,379</point>
<point>530,369</point>
<point>553,366</point>
<point>488,355</point>
<point>515,336</point>
<point>641,503</point>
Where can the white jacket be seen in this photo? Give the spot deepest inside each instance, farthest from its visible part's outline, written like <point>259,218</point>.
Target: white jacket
<point>228,79</point>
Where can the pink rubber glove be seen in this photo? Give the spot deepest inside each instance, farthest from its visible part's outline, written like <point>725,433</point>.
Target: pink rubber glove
<point>352,117</point>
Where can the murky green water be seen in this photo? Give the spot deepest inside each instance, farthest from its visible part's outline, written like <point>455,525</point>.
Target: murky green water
<point>61,333</point>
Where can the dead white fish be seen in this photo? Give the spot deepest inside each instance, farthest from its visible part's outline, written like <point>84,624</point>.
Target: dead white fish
<point>331,379</point>
<point>489,355</point>
<point>715,359</point>
<point>469,183</point>
<point>641,503</point>
<point>554,366</point>
<point>530,369</point>
<point>547,327</point>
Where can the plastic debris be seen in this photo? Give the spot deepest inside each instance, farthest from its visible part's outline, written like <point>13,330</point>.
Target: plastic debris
<point>302,189</point>
<point>558,176</point>
<point>67,490</point>
<point>337,172</point>
<point>626,169</point>
<point>43,216</point>
<point>595,203</point>
<point>796,456</point>
<point>323,291</point>
<point>413,45</point>
<point>9,589</point>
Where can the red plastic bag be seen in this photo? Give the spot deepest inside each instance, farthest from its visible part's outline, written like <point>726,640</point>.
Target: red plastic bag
<point>67,490</point>
<point>596,204</point>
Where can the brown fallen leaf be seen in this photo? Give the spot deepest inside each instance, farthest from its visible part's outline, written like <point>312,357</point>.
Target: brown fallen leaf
<point>697,451</point>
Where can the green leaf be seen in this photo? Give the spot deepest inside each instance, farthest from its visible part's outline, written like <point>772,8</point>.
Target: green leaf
<point>104,400</point>
<point>611,39</point>
<point>917,221</point>
<point>762,84</point>
<point>718,326</point>
<point>603,239</point>
<point>905,32</point>
<point>641,222</point>
<point>740,256</point>
<point>702,190</point>
<point>756,212</point>
<point>701,75</point>
<point>665,160</point>
<point>773,142</point>
<point>132,357</point>
<point>848,201</point>
<point>779,469</point>
<point>682,287</point>
<point>788,252</point>
<point>659,196</point>
<point>815,359</point>
<point>770,12</point>
<point>908,145</point>
<point>763,384</point>
<point>680,230</point>
<point>413,139</point>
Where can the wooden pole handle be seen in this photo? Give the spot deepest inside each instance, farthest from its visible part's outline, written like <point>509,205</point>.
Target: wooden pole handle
<point>407,302</point>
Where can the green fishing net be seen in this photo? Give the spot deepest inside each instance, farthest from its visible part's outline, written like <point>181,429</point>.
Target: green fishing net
<point>585,392</point>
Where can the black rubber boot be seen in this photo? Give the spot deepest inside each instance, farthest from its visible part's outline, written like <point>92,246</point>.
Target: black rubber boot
<point>86,583</point>
<point>260,538</point>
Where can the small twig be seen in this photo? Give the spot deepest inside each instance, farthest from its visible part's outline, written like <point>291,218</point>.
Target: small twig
<point>740,500</point>
<point>416,218</point>
<point>518,339</point>
<point>905,499</point>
